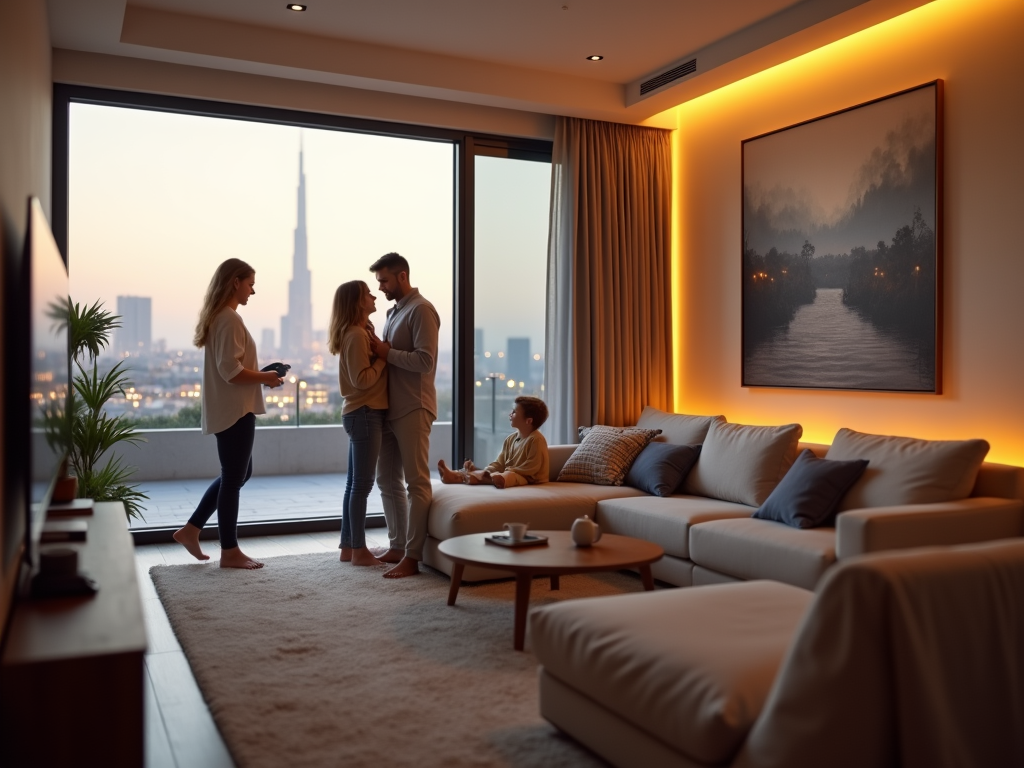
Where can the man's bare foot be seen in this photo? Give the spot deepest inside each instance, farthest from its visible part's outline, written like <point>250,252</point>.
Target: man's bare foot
<point>497,481</point>
<point>363,556</point>
<point>391,556</point>
<point>408,567</point>
<point>188,537</point>
<point>449,476</point>
<point>346,554</point>
<point>235,558</point>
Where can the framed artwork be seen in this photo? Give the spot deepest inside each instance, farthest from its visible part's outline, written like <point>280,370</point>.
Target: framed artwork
<point>842,249</point>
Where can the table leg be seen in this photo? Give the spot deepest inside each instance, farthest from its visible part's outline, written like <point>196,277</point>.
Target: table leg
<point>554,583</point>
<point>523,583</point>
<point>453,590</point>
<point>646,577</point>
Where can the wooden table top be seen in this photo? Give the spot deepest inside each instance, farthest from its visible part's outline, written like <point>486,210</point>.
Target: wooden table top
<point>559,555</point>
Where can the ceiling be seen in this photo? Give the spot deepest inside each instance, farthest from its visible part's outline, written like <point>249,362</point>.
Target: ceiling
<point>519,54</point>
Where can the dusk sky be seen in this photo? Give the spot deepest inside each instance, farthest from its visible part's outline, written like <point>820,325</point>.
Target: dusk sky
<point>158,200</point>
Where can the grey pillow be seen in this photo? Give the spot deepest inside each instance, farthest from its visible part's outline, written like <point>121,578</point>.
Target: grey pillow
<point>742,463</point>
<point>808,495</point>
<point>677,428</point>
<point>907,470</point>
<point>661,467</point>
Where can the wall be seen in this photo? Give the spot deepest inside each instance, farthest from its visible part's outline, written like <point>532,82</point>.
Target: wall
<point>975,46</point>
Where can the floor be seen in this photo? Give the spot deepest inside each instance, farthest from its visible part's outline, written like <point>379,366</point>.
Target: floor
<point>180,732</point>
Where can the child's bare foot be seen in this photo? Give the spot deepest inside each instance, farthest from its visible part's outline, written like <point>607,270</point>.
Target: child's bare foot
<point>346,554</point>
<point>449,476</point>
<point>468,465</point>
<point>408,567</point>
<point>391,556</point>
<point>497,481</point>
<point>235,558</point>
<point>363,556</point>
<point>188,537</point>
<point>475,478</point>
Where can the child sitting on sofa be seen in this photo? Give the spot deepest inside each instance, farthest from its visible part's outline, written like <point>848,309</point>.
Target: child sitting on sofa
<point>524,454</point>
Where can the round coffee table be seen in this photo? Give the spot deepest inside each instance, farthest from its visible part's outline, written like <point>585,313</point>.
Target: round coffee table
<point>559,556</point>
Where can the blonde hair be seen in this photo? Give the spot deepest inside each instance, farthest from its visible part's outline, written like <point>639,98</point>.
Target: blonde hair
<point>218,294</point>
<point>345,312</point>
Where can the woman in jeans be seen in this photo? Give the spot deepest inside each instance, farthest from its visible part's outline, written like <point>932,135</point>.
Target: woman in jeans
<point>363,379</point>
<point>231,399</point>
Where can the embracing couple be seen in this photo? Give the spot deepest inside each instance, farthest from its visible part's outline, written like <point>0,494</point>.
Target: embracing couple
<point>387,383</point>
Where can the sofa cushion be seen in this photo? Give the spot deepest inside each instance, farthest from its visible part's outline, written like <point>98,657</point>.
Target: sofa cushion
<point>665,521</point>
<point>762,549</point>
<point>457,510</point>
<point>743,463</point>
<point>661,467</point>
<point>808,495</point>
<point>677,428</point>
<point>906,470</point>
<point>605,454</point>
<point>638,656</point>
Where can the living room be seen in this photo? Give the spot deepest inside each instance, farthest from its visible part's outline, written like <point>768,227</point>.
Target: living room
<point>972,46</point>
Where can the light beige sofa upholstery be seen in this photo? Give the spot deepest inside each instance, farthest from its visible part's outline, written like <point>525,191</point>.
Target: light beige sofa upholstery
<point>908,658</point>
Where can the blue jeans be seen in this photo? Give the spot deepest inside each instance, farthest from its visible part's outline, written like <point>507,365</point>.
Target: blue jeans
<point>234,447</point>
<point>364,427</point>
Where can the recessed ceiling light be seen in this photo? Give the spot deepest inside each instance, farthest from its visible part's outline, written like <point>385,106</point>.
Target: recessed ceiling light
<point>594,58</point>
<point>295,7</point>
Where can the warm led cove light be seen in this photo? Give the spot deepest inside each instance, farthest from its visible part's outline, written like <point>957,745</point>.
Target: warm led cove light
<point>594,58</point>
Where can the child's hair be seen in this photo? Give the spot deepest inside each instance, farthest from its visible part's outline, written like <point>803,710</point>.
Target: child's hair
<point>345,312</point>
<point>222,285</point>
<point>533,408</point>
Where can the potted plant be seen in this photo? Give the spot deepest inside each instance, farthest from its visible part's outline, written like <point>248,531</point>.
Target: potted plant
<point>93,432</point>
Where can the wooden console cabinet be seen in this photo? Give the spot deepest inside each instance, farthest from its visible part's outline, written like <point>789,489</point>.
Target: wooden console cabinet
<point>71,679</point>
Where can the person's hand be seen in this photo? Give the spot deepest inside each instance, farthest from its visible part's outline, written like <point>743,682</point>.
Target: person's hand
<point>272,380</point>
<point>382,349</point>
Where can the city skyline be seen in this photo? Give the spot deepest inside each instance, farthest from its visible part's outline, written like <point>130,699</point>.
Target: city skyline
<point>297,325</point>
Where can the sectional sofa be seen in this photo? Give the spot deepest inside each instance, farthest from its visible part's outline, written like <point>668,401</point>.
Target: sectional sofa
<point>914,493</point>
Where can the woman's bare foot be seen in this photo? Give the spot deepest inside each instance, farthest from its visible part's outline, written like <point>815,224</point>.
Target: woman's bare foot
<point>497,481</point>
<point>391,556</point>
<point>188,537</point>
<point>408,567</point>
<point>346,554</point>
<point>363,556</point>
<point>449,476</point>
<point>235,558</point>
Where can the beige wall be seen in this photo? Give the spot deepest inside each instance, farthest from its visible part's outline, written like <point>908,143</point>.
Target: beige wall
<point>976,47</point>
<point>25,118</point>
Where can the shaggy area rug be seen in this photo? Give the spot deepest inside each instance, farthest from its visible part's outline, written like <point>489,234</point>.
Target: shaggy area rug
<point>309,662</point>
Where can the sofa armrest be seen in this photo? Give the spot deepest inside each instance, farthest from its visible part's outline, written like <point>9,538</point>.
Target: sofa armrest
<point>859,531</point>
<point>557,456</point>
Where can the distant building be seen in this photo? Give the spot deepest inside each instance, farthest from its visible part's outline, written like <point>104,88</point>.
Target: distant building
<point>517,365</point>
<point>135,335</point>
<point>297,325</point>
<point>267,348</point>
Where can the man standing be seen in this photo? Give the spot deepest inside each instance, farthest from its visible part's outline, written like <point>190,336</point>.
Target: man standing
<point>409,346</point>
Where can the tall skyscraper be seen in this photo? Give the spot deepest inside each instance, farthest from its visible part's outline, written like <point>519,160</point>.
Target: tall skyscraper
<point>297,325</point>
<point>267,348</point>
<point>136,332</point>
<point>518,364</point>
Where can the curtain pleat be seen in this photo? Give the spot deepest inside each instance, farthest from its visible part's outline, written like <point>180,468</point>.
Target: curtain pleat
<point>609,336</point>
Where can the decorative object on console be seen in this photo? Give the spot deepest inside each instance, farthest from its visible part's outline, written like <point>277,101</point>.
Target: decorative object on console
<point>842,248</point>
<point>605,454</point>
<point>660,468</point>
<point>808,495</point>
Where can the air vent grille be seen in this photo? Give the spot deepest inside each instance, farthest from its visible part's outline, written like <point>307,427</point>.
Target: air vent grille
<point>667,77</point>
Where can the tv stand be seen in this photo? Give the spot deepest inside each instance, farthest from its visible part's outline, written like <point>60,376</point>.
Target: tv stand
<point>71,678</point>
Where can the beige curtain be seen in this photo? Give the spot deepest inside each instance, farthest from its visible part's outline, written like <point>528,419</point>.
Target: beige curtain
<point>609,335</point>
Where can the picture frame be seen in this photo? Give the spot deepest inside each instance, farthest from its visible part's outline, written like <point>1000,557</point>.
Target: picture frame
<point>842,249</point>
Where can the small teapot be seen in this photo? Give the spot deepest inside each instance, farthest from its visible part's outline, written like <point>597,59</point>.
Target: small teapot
<point>585,532</point>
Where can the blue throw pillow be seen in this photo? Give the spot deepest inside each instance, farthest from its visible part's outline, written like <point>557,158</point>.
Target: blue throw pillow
<point>661,467</point>
<point>808,495</point>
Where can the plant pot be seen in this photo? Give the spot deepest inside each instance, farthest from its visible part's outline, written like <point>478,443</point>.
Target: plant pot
<point>66,489</point>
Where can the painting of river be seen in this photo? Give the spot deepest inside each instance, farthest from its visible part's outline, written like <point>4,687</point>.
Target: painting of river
<point>841,249</point>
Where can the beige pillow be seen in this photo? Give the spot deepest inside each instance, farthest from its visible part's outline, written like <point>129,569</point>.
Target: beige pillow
<point>742,463</point>
<point>906,470</point>
<point>606,454</point>
<point>677,428</point>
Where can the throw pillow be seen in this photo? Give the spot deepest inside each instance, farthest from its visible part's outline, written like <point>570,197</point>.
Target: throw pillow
<point>808,495</point>
<point>742,463</point>
<point>661,467</point>
<point>677,428</point>
<point>906,470</point>
<point>605,454</point>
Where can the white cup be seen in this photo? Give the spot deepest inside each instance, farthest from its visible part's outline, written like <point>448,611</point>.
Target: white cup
<point>516,531</point>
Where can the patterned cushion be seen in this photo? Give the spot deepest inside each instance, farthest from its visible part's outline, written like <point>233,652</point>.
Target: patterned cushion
<point>605,454</point>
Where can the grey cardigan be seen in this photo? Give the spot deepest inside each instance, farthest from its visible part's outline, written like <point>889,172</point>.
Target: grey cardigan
<point>411,329</point>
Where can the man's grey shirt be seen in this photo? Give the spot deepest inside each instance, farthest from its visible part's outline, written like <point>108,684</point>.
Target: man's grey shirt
<point>411,329</point>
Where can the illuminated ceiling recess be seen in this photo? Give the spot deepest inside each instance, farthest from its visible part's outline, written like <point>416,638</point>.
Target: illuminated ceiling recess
<point>473,52</point>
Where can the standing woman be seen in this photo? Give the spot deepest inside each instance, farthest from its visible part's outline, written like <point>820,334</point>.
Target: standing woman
<point>363,379</point>
<point>231,399</point>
